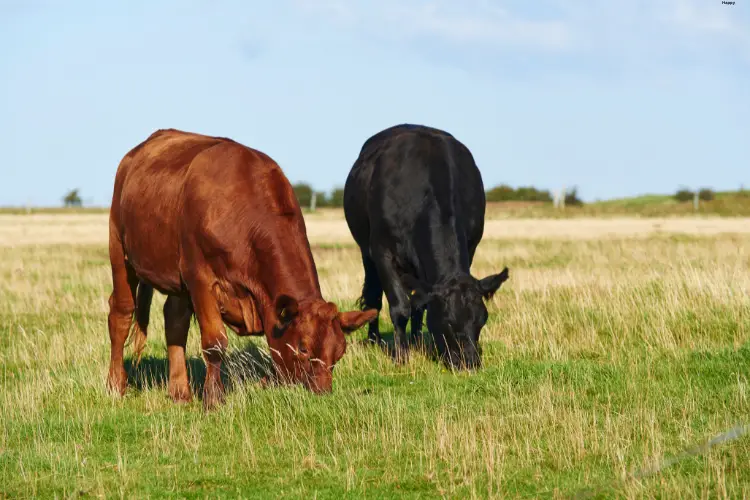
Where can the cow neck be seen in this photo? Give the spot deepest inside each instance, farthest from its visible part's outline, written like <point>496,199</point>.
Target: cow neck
<point>287,268</point>
<point>442,255</point>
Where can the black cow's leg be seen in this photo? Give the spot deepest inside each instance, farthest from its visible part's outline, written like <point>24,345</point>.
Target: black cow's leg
<point>416,325</point>
<point>372,296</point>
<point>398,303</point>
<point>400,317</point>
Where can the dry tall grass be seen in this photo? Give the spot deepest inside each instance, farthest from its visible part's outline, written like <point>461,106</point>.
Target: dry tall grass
<point>329,226</point>
<point>603,355</point>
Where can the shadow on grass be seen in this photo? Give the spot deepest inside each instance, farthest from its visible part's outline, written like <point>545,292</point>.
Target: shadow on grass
<point>425,346</point>
<point>248,363</point>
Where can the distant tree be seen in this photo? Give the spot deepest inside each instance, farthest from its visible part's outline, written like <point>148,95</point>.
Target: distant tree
<point>706,194</point>
<point>337,197</point>
<point>72,199</point>
<point>503,192</point>
<point>322,200</point>
<point>531,193</point>
<point>571,197</point>
<point>303,192</point>
<point>683,195</point>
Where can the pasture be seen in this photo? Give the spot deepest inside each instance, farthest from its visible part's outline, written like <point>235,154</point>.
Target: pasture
<point>615,345</point>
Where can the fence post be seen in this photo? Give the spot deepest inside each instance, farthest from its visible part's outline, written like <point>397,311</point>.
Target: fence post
<point>695,200</point>
<point>313,200</point>
<point>562,198</point>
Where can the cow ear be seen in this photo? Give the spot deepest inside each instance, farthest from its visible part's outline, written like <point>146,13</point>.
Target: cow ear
<point>250,316</point>
<point>353,320</point>
<point>286,309</point>
<point>490,284</point>
<point>419,291</point>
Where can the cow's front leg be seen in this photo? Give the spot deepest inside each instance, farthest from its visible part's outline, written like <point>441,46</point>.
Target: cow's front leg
<point>213,343</point>
<point>398,303</point>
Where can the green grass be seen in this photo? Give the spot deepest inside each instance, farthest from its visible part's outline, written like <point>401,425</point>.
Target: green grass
<point>725,204</point>
<point>602,358</point>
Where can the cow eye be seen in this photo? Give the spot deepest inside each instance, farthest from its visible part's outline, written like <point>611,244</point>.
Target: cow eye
<point>303,350</point>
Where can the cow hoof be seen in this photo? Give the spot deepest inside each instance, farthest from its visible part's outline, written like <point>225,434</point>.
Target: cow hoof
<point>401,356</point>
<point>180,394</point>
<point>418,342</point>
<point>267,382</point>
<point>117,382</point>
<point>213,396</point>
<point>374,341</point>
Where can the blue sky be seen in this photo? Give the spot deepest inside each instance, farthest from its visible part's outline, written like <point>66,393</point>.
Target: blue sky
<point>620,98</point>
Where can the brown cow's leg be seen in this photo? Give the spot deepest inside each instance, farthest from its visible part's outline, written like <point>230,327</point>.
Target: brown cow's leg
<point>121,308</point>
<point>142,314</point>
<point>213,342</point>
<point>177,314</point>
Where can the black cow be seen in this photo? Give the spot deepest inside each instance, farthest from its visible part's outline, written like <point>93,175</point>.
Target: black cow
<point>414,202</point>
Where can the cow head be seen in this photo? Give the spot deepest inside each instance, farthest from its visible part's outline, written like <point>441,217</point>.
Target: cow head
<point>456,314</point>
<point>308,340</point>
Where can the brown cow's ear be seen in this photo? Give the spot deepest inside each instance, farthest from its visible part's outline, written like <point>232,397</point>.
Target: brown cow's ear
<point>286,308</point>
<point>250,315</point>
<point>353,320</point>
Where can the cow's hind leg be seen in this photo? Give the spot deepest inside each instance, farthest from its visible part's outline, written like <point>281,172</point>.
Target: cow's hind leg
<point>372,297</point>
<point>142,314</point>
<point>177,313</point>
<point>121,308</point>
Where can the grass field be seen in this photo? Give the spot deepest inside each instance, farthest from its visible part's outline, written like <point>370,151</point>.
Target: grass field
<point>609,350</point>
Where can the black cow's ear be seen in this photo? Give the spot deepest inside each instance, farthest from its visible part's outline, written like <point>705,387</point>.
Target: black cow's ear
<point>491,284</point>
<point>419,291</point>
<point>286,308</point>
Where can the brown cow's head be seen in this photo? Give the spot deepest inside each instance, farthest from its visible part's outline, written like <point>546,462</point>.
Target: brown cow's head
<point>308,340</point>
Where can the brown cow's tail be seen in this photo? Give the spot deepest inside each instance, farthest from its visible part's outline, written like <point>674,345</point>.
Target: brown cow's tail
<point>139,331</point>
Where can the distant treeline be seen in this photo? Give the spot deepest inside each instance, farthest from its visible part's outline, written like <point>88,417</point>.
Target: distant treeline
<point>503,192</point>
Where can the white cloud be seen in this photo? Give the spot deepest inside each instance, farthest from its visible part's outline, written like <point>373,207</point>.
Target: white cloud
<point>465,22</point>
<point>641,32</point>
<point>483,24</point>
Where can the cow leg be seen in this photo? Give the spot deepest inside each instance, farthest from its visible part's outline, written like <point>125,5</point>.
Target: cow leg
<point>416,325</point>
<point>120,318</point>
<point>213,343</point>
<point>177,313</point>
<point>142,315</point>
<point>398,303</point>
<point>372,297</point>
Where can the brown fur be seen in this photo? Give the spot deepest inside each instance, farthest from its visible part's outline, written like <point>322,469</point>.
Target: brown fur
<point>215,226</point>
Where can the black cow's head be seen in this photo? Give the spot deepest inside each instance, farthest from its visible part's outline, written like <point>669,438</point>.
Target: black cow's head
<point>456,314</point>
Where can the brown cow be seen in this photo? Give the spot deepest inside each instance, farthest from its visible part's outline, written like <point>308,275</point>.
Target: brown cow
<point>216,227</point>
